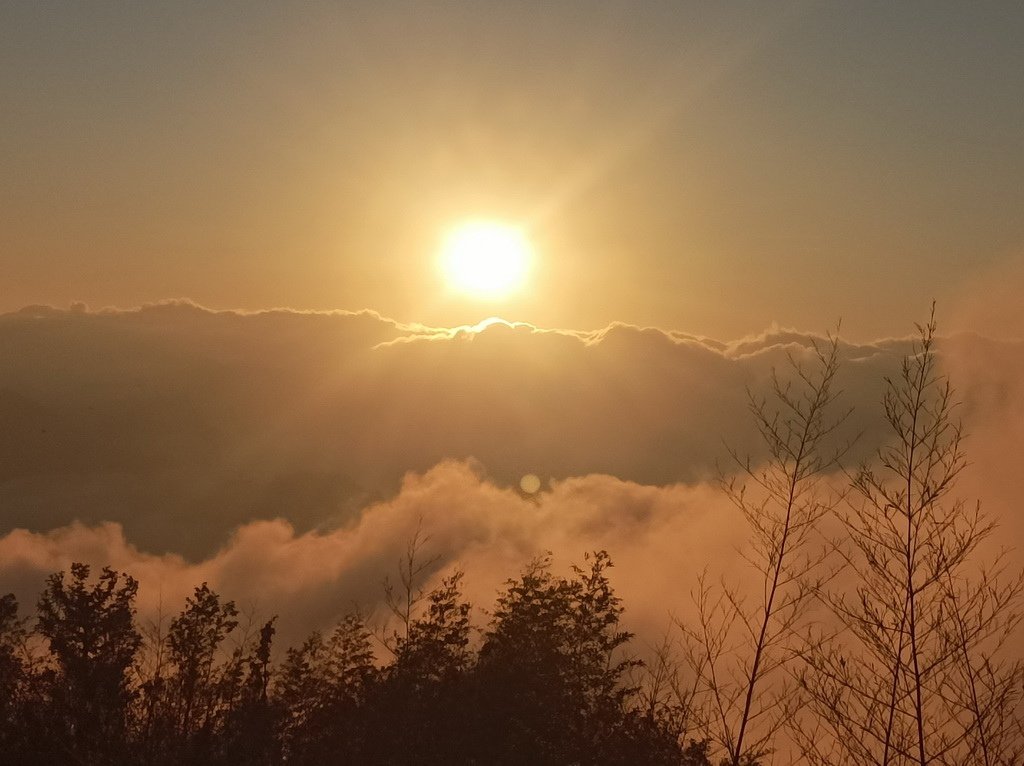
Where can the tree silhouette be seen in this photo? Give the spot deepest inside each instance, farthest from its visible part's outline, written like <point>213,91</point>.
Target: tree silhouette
<point>917,676</point>
<point>547,685</point>
<point>550,677</point>
<point>322,690</point>
<point>13,674</point>
<point>250,730</point>
<point>185,700</point>
<point>194,638</point>
<point>740,647</point>
<point>420,703</point>
<point>92,640</point>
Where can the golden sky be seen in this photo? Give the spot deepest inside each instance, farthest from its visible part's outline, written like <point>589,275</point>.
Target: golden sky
<point>285,285</point>
<point>705,167</point>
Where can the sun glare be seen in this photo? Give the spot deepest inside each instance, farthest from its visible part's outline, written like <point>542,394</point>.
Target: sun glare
<point>484,259</point>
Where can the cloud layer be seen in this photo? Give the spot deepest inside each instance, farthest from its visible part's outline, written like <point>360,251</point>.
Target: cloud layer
<point>658,535</point>
<point>287,457</point>
<point>181,423</point>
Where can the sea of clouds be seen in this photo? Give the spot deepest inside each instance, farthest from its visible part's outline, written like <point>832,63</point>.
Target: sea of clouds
<point>288,457</point>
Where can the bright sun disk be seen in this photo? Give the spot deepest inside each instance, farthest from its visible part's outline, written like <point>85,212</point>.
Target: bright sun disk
<point>486,259</point>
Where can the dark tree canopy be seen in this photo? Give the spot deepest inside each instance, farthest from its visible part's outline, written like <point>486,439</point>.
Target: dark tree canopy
<point>545,682</point>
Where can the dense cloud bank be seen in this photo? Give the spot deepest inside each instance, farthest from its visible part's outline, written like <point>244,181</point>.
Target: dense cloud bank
<point>181,423</point>
<point>265,453</point>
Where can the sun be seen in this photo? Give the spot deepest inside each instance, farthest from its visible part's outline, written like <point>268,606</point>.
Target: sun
<point>486,259</point>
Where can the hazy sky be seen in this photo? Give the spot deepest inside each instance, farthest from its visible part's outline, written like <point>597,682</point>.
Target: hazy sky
<point>702,166</point>
<point>689,173</point>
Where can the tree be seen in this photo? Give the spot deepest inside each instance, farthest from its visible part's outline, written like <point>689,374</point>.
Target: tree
<point>13,673</point>
<point>551,679</point>
<point>421,704</point>
<point>92,640</point>
<point>322,689</point>
<point>916,676</point>
<point>435,649</point>
<point>185,699</point>
<point>194,638</point>
<point>665,696</point>
<point>549,685</point>
<point>252,722</point>
<point>740,647</point>
<point>402,600</point>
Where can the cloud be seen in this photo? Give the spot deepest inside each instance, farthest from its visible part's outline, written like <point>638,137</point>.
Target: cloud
<point>287,458</point>
<point>657,536</point>
<point>989,303</point>
<point>990,376</point>
<point>182,424</point>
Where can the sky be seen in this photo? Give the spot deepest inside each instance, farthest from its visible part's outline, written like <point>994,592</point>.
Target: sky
<point>711,168</point>
<point>228,353</point>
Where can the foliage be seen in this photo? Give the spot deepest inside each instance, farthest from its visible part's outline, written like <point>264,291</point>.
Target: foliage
<point>549,675</point>
<point>13,673</point>
<point>323,687</point>
<point>545,686</point>
<point>92,641</point>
